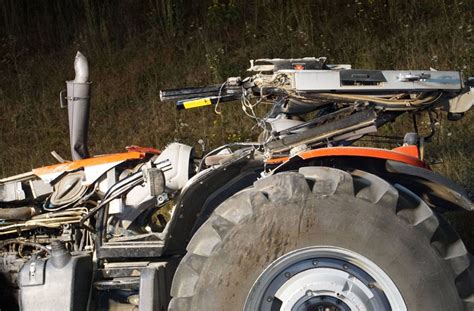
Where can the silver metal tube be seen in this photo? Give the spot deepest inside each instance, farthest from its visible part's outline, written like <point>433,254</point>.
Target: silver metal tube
<point>78,104</point>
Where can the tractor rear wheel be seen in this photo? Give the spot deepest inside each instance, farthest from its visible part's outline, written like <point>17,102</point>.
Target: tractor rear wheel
<point>324,239</point>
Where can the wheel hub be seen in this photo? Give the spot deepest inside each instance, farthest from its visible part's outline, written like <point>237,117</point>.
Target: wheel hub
<point>324,279</point>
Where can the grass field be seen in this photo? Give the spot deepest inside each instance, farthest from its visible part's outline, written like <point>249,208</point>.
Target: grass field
<point>136,48</point>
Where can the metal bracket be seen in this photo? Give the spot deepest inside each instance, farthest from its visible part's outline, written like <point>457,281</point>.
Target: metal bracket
<point>62,99</point>
<point>409,77</point>
<point>155,180</point>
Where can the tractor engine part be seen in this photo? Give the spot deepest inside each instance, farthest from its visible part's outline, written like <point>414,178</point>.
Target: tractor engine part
<point>24,212</point>
<point>54,219</point>
<point>67,276</point>
<point>78,105</point>
<point>352,123</point>
<point>12,191</point>
<point>67,191</point>
<point>170,173</point>
<point>10,265</point>
<point>174,161</point>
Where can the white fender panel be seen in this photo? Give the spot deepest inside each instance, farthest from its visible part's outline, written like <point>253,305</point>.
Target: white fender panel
<point>174,162</point>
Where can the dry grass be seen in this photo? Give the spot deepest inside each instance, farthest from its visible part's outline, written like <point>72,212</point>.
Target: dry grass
<point>137,48</point>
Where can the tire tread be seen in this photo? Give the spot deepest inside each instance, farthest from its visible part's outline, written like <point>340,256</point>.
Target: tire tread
<point>321,181</point>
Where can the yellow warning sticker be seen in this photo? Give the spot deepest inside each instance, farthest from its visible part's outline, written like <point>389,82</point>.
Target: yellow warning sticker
<point>197,103</point>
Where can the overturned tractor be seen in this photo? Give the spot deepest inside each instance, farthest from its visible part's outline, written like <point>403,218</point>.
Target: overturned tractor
<point>299,220</point>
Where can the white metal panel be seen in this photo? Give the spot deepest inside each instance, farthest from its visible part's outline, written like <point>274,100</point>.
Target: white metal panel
<point>329,80</point>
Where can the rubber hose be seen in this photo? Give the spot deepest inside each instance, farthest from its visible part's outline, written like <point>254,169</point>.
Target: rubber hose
<point>25,212</point>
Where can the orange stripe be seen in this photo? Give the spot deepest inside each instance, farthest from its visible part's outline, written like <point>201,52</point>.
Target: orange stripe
<point>277,160</point>
<point>68,166</point>
<point>411,150</point>
<point>357,152</point>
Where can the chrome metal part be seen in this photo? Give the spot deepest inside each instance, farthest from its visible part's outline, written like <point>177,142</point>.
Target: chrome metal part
<point>314,277</point>
<point>397,80</point>
<point>78,102</point>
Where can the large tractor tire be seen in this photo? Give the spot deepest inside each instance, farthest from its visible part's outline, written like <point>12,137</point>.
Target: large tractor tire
<point>324,239</point>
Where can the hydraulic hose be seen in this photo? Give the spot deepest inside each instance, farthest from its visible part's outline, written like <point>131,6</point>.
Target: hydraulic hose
<point>405,104</point>
<point>16,213</point>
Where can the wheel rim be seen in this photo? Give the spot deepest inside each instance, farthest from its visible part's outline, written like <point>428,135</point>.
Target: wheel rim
<point>326,279</point>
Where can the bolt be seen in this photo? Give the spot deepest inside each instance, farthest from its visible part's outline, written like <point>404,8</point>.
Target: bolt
<point>33,269</point>
<point>315,262</point>
<point>345,267</point>
<point>287,275</point>
<point>371,285</point>
<point>309,293</point>
<point>269,299</point>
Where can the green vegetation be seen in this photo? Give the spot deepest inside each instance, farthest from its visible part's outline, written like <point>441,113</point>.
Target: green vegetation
<point>136,48</point>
